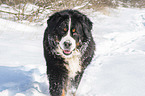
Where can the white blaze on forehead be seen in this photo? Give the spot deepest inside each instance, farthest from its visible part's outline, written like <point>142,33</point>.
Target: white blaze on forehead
<point>68,38</point>
<point>69,27</point>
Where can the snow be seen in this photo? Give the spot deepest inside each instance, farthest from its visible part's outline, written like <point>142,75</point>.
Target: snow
<point>117,68</point>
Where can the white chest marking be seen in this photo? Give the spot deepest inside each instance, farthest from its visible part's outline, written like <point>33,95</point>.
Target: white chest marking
<point>73,66</point>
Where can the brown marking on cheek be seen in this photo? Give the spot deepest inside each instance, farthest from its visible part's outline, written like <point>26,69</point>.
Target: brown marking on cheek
<point>78,44</point>
<point>63,92</point>
<point>56,39</point>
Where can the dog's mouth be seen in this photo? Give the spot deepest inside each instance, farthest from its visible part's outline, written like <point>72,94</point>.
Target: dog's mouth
<point>67,52</point>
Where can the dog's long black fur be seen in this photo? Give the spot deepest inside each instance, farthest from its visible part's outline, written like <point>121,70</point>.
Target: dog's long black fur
<point>56,69</point>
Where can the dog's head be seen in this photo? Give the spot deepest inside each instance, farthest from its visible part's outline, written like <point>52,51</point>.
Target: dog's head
<point>68,31</point>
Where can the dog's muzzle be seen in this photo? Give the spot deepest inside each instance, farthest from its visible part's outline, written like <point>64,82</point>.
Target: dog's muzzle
<point>67,46</point>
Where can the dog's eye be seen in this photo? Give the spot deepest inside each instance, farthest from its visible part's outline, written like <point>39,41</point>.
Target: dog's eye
<point>65,29</point>
<point>73,30</point>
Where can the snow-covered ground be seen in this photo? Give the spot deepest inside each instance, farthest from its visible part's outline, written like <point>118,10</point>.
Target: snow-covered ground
<point>117,69</point>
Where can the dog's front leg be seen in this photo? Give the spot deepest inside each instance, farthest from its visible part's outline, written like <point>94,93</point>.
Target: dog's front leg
<point>57,79</point>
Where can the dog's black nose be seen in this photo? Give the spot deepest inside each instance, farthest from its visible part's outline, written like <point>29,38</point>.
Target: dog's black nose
<point>67,44</point>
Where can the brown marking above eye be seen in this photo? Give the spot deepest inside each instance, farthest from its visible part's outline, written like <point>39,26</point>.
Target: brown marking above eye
<point>65,29</point>
<point>73,30</point>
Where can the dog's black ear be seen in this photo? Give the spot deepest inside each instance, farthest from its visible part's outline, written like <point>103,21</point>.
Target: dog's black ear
<point>87,26</point>
<point>51,25</point>
<point>53,21</point>
<point>87,22</point>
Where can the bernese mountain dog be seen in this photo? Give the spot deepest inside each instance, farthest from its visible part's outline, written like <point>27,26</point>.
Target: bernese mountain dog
<point>68,50</point>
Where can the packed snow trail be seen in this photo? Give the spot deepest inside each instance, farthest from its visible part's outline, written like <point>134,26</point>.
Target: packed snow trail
<point>117,68</point>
